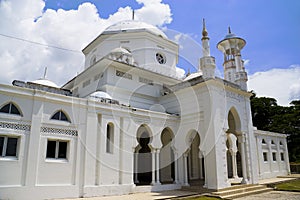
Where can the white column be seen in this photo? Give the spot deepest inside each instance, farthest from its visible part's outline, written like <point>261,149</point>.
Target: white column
<point>136,157</point>
<point>185,172</point>
<point>201,165</point>
<point>205,171</point>
<point>278,158</point>
<point>157,167</point>
<point>234,165</point>
<point>286,157</point>
<point>259,154</point>
<point>176,167</point>
<point>243,155</point>
<point>270,156</point>
<point>153,166</point>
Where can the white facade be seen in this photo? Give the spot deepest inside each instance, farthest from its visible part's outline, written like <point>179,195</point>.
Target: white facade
<point>128,123</point>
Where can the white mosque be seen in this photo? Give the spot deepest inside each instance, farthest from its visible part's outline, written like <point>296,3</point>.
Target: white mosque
<point>128,123</point>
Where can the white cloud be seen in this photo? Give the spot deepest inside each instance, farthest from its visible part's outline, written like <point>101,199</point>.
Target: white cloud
<point>71,29</point>
<point>154,12</point>
<point>246,62</point>
<point>281,84</point>
<point>180,72</point>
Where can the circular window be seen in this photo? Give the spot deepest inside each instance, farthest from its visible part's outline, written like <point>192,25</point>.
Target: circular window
<point>161,59</point>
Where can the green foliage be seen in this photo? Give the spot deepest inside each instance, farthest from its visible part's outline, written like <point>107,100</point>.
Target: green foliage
<point>268,116</point>
<point>289,186</point>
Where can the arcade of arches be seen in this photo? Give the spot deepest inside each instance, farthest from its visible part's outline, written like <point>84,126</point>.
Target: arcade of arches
<point>154,166</point>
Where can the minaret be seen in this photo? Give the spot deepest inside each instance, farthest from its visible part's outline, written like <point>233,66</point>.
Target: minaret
<point>207,62</point>
<point>234,70</point>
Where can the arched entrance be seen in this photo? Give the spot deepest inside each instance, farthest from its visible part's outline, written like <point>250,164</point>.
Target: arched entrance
<point>235,147</point>
<point>143,157</point>
<point>167,165</point>
<point>193,160</point>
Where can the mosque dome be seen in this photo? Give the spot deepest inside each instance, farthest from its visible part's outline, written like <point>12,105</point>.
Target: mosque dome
<point>193,75</point>
<point>100,94</point>
<point>120,50</point>
<point>132,26</point>
<point>46,82</point>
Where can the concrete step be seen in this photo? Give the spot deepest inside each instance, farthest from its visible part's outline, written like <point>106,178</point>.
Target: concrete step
<point>240,191</point>
<point>234,196</point>
<point>236,187</point>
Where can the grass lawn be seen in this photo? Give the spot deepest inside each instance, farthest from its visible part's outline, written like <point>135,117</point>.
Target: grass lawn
<point>201,198</point>
<point>289,186</point>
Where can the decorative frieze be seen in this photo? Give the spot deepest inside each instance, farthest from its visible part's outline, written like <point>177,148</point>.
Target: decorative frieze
<point>14,126</point>
<point>59,131</point>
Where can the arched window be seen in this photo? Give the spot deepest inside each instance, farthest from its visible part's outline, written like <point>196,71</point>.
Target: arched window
<point>280,143</point>
<point>263,141</point>
<point>109,138</point>
<point>272,142</point>
<point>10,108</point>
<point>61,116</point>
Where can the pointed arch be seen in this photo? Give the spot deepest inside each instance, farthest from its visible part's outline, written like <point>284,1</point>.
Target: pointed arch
<point>143,156</point>
<point>11,108</point>
<point>60,115</point>
<point>144,131</point>
<point>195,161</point>
<point>167,157</point>
<point>234,121</point>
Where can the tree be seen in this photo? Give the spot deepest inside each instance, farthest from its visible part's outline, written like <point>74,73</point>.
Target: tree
<point>268,116</point>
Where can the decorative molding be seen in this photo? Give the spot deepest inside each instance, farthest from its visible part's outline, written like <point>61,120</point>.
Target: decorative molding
<point>59,131</point>
<point>233,95</point>
<point>22,127</point>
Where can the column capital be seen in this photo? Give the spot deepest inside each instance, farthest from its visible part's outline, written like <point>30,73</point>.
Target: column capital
<point>233,152</point>
<point>225,129</point>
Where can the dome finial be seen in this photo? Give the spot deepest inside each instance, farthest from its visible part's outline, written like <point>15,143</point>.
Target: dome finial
<point>45,73</point>
<point>132,14</point>
<point>229,30</point>
<point>204,31</point>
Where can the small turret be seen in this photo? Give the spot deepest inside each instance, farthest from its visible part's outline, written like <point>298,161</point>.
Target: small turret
<point>234,70</point>
<point>207,63</point>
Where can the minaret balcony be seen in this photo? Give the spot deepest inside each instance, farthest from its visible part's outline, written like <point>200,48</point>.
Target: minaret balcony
<point>241,76</point>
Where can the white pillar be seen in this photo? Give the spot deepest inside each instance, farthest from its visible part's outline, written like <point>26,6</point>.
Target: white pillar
<point>234,165</point>
<point>153,166</point>
<point>278,159</point>
<point>185,172</point>
<point>157,167</point>
<point>243,155</point>
<point>286,157</point>
<point>136,157</point>
<point>270,156</point>
<point>201,165</point>
<point>176,167</point>
<point>259,154</point>
<point>205,171</point>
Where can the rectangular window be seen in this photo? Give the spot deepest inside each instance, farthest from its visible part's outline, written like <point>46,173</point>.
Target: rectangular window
<point>57,149</point>
<point>282,156</point>
<point>8,146</point>
<point>265,155</point>
<point>274,156</point>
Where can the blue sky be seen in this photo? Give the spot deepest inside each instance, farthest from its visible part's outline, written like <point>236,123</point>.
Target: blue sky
<point>270,27</point>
